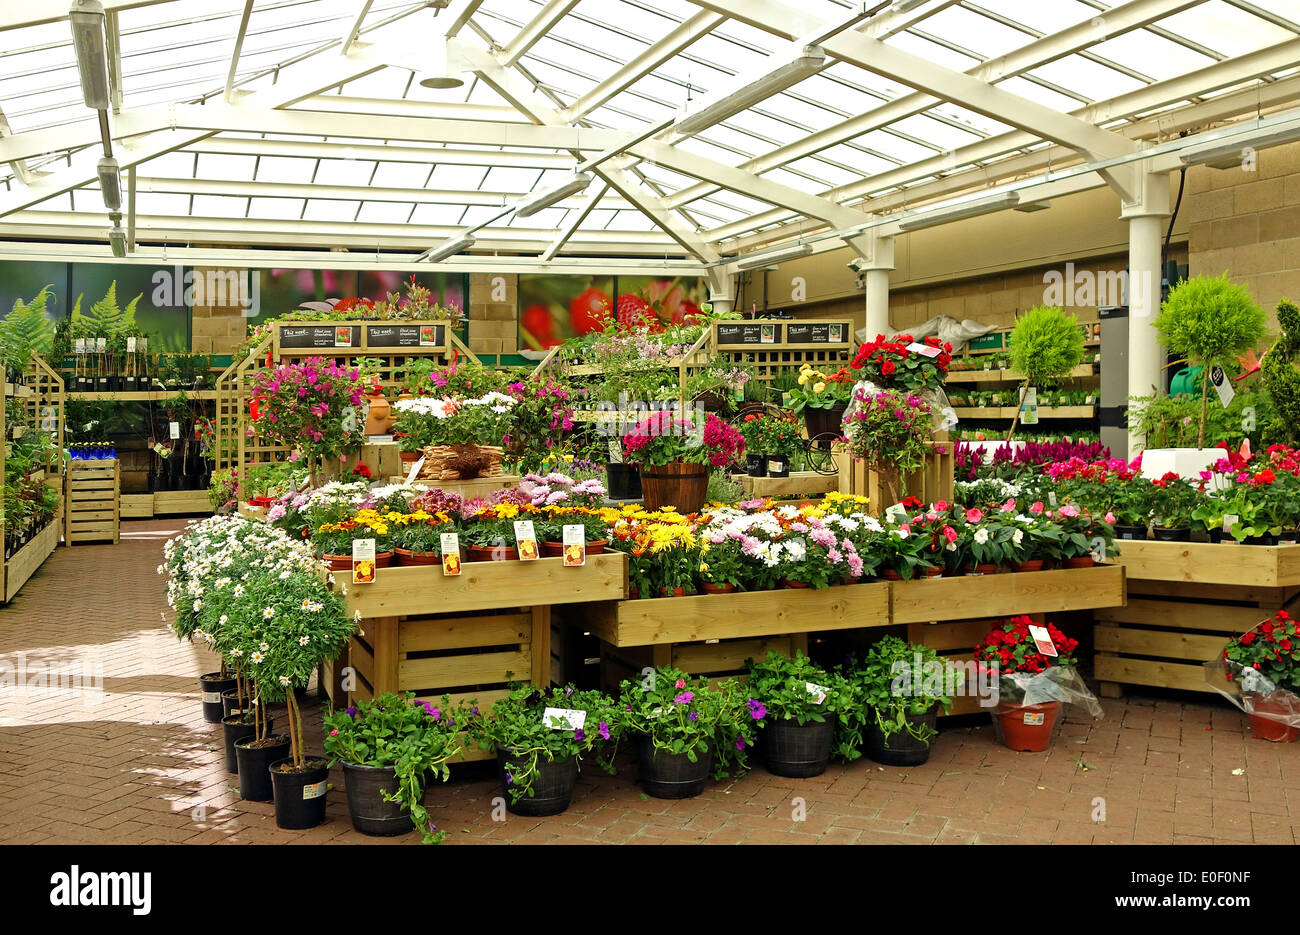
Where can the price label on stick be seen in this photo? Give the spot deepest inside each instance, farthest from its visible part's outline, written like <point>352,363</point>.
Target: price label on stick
<point>925,350</point>
<point>450,542</point>
<point>575,546</point>
<point>174,430</point>
<point>564,718</point>
<point>526,540</point>
<point>414,472</point>
<point>1221,385</point>
<point>363,561</point>
<point>816,693</point>
<point>1043,640</point>
<point>130,345</point>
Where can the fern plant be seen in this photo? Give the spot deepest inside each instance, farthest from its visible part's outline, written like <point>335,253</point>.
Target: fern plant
<point>26,331</point>
<point>106,319</point>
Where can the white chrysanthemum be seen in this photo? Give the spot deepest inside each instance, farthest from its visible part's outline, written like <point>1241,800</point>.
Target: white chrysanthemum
<point>264,646</point>
<point>239,590</point>
<point>257,658</point>
<point>304,640</point>
<point>236,652</point>
<point>198,605</point>
<point>268,612</point>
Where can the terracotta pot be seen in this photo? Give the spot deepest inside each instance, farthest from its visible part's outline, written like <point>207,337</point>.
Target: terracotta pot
<point>379,417</point>
<point>344,562</point>
<point>1267,728</point>
<point>493,553</point>
<point>985,569</point>
<point>934,572</point>
<point>1028,728</point>
<point>676,592</point>
<point>681,484</point>
<point>1081,561</point>
<point>1034,564</point>
<point>890,575</point>
<point>708,588</point>
<point>787,583</point>
<point>556,549</point>
<point>407,557</point>
<point>410,457</point>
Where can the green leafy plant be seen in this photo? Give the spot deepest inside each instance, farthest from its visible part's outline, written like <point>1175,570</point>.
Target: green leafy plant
<point>1282,379</point>
<point>1045,345</point>
<point>794,689</point>
<point>877,681</point>
<point>414,740</point>
<point>26,331</point>
<point>1210,320</point>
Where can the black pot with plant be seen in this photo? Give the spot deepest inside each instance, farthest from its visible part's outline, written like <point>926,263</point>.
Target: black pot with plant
<point>897,683</point>
<point>800,704</point>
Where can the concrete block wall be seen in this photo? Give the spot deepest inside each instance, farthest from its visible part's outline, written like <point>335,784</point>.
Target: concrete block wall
<point>492,312</point>
<point>218,323</point>
<point>1247,221</point>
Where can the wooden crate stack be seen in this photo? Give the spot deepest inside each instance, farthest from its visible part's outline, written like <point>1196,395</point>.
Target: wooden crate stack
<point>94,492</point>
<point>935,481</point>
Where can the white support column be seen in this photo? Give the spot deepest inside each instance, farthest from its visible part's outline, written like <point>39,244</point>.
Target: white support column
<point>877,259</point>
<point>721,291</point>
<point>1147,217</point>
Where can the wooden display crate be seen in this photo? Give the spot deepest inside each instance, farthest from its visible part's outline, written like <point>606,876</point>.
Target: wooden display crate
<point>93,513</point>
<point>935,481</point>
<point>798,484</point>
<point>1274,566</point>
<point>26,560</point>
<point>136,505</point>
<point>667,620</point>
<point>954,641</point>
<point>173,502</point>
<point>717,659</point>
<point>1001,595</point>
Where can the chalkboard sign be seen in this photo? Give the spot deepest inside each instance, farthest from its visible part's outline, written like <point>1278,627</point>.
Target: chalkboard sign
<point>320,336</point>
<point>413,335</point>
<point>762,333</point>
<point>816,332</point>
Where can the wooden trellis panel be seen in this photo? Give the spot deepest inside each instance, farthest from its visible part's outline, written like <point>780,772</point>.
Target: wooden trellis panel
<point>772,346</point>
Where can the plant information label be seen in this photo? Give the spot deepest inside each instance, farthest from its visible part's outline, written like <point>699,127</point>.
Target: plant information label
<point>526,540</point>
<point>564,718</point>
<point>1043,640</point>
<point>450,542</point>
<point>575,546</point>
<point>363,561</point>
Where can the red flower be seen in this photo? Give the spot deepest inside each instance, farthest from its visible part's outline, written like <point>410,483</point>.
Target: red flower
<point>887,367</point>
<point>1247,638</point>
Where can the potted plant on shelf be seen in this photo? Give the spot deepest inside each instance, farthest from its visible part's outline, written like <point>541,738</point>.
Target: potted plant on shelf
<point>313,406</point>
<point>723,567</point>
<point>822,399</point>
<point>1210,321</point>
<point>1173,503</point>
<point>539,736</point>
<point>891,431</point>
<point>391,747</point>
<point>985,544</point>
<point>775,438</point>
<point>901,699</point>
<point>489,533</point>
<point>416,538</point>
<point>594,523</point>
<point>1045,346</point>
<point>333,541</point>
<point>1084,537</point>
<point>1263,664</point>
<point>674,456</point>
<point>686,730</point>
<point>1131,503</point>
<point>1032,682</point>
<point>802,705</point>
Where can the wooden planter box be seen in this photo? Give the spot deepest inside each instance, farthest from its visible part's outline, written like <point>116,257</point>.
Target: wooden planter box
<point>1274,566</point>
<point>93,512</point>
<point>29,558</point>
<point>933,482</point>
<point>1002,595</point>
<point>742,614</point>
<point>798,484</point>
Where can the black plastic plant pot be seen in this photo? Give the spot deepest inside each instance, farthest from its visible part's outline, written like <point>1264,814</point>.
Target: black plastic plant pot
<point>1130,532</point>
<point>371,813</point>
<point>756,465</point>
<point>255,766</point>
<point>1288,536</point>
<point>236,729</point>
<point>900,748</point>
<point>778,466</point>
<point>1265,539</point>
<point>212,686</point>
<point>230,703</point>
<point>552,786</point>
<point>672,775</point>
<point>798,750</point>
<point>624,481</point>
<point>1173,534</point>
<point>300,793</point>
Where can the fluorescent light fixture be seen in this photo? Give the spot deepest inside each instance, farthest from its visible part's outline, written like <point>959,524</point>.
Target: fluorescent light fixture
<point>448,248</point>
<point>110,183</point>
<point>764,259</point>
<point>534,203</point>
<point>970,209</point>
<point>749,90</point>
<point>905,6</point>
<point>87,20</point>
<point>117,240</point>
<point>1234,153</point>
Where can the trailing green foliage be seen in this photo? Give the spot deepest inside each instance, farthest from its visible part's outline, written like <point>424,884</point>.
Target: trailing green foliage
<point>106,318</point>
<point>1173,421</point>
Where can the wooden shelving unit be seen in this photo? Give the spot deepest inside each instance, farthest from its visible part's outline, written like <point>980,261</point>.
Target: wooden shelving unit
<point>41,399</point>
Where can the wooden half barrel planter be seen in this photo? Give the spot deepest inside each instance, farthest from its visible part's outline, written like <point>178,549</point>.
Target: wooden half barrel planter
<point>682,484</point>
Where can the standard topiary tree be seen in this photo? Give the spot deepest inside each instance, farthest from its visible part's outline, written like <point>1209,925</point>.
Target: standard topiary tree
<point>1046,344</point>
<point>1210,320</point>
<point>1282,379</point>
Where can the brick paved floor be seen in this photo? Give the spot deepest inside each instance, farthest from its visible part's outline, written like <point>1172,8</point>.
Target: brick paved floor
<point>142,766</point>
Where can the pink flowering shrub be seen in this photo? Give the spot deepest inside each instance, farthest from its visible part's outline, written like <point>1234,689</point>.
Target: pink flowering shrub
<point>663,437</point>
<point>313,405</point>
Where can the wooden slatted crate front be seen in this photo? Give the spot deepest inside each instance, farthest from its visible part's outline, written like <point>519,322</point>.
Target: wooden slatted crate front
<point>94,511</point>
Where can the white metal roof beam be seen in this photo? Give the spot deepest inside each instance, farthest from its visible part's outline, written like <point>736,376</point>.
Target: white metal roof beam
<point>229,93</point>
<point>540,25</point>
<point>355,30</point>
<point>346,149</point>
<point>572,222</point>
<point>677,39</point>
<point>458,14</point>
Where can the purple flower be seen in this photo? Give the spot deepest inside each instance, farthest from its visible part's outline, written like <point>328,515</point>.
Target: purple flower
<point>510,780</point>
<point>757,710</point>
<point>352,712</point>
<point>684,698</point>
<point>740,743</point>
<point>579,734</point>
<point>604,730</point>
<point>475,711</point>
<point>693,717</point>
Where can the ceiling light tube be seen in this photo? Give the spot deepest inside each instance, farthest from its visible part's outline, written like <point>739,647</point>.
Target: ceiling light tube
<point>447,249</point>
<point>748,91</point>
<point>970,209</point>
<point>777,256</point>
<point>87,20</point>
<point>117,241</point>
<point>110,183</point>
<point>534,203</point>
<point>905,6</point>
<point>1234,153</point>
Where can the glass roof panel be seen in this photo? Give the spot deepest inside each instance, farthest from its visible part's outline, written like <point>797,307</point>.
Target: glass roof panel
<point>823,170</point>
<point>401,174</point>
<point>384,212</point>
<point>503,179</point>
<point>803,113</point>
<point>794,180</point>
<point>709,151</point>
<point>328,209</point>
<point>285,169</point>
<point>438,215</point>
<point>226,206</point>
<point>279,209</point>
<point>454,177</point>
<point>865,163</point>
<point>942,135</point>
<point>1147,53</point>
<point>985,37</point>
<point>1040,95</point>
<point>1225,28</point>
<point>344,171</point>
<point>225,167</point>
<point>972,119</point>
<point>933,52</point>
<point>893,147</point>
<point>631,221</point>
<point>598,219</point>
<point>545,219</point>
<point>1042,17</point>
<point>1086,78</point>
<point>161,203</point>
